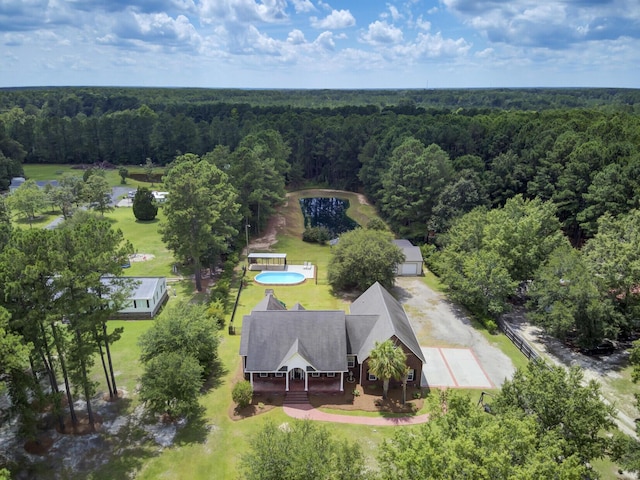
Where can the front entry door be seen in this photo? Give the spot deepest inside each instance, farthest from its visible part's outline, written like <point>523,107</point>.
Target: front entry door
<point>296,374</point>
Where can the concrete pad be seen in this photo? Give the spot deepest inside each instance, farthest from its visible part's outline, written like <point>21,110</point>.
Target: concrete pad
<point>465,367</point>
<point>435,371</point>
<point>453,368</point>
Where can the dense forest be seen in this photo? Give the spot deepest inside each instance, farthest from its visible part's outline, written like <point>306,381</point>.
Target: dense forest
<point>578,148</point>
<point>425,157</point>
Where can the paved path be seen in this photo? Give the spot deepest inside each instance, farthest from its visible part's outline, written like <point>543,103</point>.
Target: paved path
<point>307,412</point>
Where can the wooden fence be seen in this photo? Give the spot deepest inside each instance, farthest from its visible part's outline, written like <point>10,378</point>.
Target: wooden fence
<point>518,341</point>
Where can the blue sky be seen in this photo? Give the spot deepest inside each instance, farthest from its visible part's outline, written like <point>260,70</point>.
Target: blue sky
<point>318,44</point>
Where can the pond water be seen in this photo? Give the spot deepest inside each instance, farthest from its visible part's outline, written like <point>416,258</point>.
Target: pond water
<point>327,212</point>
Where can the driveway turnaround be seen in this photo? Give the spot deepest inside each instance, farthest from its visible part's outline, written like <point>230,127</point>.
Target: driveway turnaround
<point>453,368</point>
<point>307,412</point>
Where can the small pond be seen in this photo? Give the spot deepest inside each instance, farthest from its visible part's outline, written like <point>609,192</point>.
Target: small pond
<point>327,212</point>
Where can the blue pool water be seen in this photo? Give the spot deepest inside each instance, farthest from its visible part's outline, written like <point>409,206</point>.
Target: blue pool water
<point>279,278</point>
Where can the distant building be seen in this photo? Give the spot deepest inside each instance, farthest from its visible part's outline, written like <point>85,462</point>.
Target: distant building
<point>16,182</point>
<point>160,197</point>
<point>147,297</point>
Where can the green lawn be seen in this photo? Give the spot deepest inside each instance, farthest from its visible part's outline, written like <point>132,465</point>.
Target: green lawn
<point>146,240</point>
<point>55,172</point>
<point>124,353</point>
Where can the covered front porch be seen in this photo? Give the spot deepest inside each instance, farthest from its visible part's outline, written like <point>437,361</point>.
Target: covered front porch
<point>297,379</point>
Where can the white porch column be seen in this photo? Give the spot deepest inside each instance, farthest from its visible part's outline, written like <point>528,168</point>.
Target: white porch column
<point>251,379</point>
<point>306,381</point>
<point>360,374</point>
<point>342,381</point>
<point>286,384</point>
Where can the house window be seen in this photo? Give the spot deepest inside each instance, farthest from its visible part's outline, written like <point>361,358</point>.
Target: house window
<point>331,374</point>
<point>351,361</point>
<point>134,304</point>
<point>263,375</point>
<point>411,375</point>
<point>372,377</point>
<point>279,374</point>
<point>315,374</point>
<point>147,303</point>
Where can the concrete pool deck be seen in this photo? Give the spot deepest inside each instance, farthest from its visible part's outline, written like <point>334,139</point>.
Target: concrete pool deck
<point>309,271</point>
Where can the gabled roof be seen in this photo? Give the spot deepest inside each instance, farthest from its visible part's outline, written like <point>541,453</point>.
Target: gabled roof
<point>392,321</point>
<point>358,329</point>
<point>318,336</point>
<point>411,252</point>
<point>269,302</point>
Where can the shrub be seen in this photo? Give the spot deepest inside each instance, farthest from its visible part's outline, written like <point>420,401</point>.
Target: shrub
<point>319,235</point>
<point>356,392</point>
<point>216,312</point>
<point>376,224</point>
<point>144,205</point>
<point>490,325</point>
<point>220,291</point>
<point>242,393</point>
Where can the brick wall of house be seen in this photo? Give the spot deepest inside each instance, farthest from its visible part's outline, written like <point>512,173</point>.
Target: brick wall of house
<point>412,361</point>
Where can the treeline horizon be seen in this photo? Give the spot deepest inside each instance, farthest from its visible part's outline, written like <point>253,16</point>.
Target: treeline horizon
<point>586,160</point>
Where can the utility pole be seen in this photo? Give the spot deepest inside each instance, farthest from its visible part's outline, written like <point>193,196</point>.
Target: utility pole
<point>246,232</point>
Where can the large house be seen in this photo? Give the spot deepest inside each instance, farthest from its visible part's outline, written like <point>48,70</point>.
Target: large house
<point>316,348</point>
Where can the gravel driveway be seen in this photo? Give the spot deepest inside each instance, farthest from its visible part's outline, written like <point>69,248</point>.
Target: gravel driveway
<point>439,323</point>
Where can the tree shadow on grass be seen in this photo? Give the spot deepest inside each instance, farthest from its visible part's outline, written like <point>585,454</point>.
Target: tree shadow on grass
<point>216,379</point>
<point>148,222</point>
<point>122,465</point>
<point>195,431</point>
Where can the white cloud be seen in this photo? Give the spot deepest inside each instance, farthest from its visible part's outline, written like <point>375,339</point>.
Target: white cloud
<point>395,14</point>
<point>303,6</point>
<point>296,37</point>
<point>325,40</point>
<point>335,20</point>
<point>423,24</point>
<point>382,33</point>
<point>428,46</point>
<point>243,11</point>
<point>554,24</point>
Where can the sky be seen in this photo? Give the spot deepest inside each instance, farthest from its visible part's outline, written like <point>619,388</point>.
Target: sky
<point>320,44</point>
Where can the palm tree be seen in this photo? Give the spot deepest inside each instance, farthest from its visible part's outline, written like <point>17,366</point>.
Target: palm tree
<point>387,361</point>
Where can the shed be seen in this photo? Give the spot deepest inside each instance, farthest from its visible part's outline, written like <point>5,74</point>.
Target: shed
<point>412,264</point>
<point>267,261</point>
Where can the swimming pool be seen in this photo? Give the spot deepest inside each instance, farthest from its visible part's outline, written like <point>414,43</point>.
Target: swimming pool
<point>279,278</point>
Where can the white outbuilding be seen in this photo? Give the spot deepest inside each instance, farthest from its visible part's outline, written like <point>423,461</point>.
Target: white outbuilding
<point>412,265</point>
<point>148,295</point>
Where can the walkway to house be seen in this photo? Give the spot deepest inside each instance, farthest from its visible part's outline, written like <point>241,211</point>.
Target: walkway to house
<point>307,412</point>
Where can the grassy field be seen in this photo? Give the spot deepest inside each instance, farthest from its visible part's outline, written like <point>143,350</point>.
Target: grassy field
<point>145,239</point>
<point>54,172</point>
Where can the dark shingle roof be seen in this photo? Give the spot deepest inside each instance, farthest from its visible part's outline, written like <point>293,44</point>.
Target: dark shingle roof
<point>318,336</point>
<point>358,329</point>
<point>411,252</point>
<point>271,335</point>
<point>269,302</point>
<point>392,321</point>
